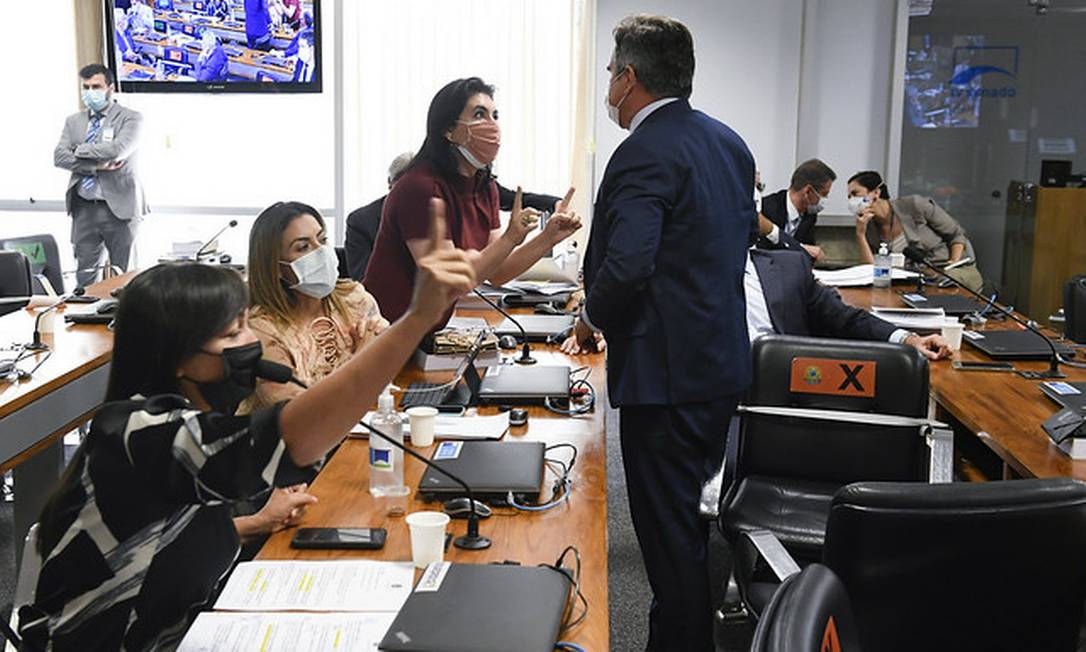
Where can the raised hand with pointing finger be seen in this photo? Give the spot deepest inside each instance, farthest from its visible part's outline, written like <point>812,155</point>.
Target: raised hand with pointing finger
<point>563,222</point>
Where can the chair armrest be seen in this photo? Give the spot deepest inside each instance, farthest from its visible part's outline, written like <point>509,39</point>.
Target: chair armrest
<point>941,458</point>
<point>7,627</point>
<point>709,505</point>
<point>772,551</point>
<point>841,416</point>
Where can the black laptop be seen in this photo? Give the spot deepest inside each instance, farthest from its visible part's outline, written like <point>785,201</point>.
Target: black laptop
<point>537,327</point>
<point>453,396</point>
<point>481,608</point>
<point>491,468</point>
<point>952,304</point>
<point>523,384</point>
<point>1014,345</point>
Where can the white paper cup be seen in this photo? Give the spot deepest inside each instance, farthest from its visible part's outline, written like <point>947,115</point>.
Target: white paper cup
<point>897,260</point>
<point>952,333</point>
<point>427,537</point>
<point>422,419</point>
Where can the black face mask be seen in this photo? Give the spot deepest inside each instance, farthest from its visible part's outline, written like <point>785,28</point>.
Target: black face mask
<point>239,378</point>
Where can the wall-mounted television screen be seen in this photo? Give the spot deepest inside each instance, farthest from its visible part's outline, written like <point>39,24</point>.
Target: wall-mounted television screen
<point>245,46</point>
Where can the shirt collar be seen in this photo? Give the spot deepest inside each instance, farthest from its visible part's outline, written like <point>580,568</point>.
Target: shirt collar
<point>647,110</point>
<point>793,213</point>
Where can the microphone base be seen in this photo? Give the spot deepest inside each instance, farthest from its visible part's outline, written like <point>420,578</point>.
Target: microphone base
<point>1042,375</point>
<point>525,360</point>
<point>469,542</point>
<point>37,346</point>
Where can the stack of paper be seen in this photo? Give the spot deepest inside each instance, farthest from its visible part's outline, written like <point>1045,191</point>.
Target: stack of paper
<point>914,319</point>
<point>454,427</point>
<point>546,288</point>
<point>857,276</point>
<point>286,632</point>
<point>361,598</point>
<point>317,586</point>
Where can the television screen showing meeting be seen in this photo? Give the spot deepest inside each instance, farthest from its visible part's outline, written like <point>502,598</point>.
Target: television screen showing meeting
<point>215,45</point>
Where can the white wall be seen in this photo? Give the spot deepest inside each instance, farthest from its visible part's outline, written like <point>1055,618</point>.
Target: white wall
<point>746,74</point>
<point>848,58</point>
<point>751,58</point>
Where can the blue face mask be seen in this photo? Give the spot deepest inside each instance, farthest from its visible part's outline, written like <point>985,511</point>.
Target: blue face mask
<point>95,99</point>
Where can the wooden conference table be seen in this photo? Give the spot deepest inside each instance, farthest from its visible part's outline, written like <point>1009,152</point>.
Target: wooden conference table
<point>527,538</point>
<point>60,395</point>
<point>1003,410</point>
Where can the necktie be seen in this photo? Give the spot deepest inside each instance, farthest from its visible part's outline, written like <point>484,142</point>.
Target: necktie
<point>90,181</point>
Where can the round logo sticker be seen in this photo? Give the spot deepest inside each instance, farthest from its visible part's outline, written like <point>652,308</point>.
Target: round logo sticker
<point>812,375</point>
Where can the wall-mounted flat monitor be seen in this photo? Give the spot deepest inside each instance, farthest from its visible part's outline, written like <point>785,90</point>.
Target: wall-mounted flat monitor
<point>215,46</point>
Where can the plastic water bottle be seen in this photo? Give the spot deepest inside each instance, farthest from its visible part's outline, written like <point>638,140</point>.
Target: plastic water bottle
<point>572,259</point>
<point>386,461</point>
<point>883,269</point>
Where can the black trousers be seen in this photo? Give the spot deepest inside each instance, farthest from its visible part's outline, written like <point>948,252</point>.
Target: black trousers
<point>668,453</point>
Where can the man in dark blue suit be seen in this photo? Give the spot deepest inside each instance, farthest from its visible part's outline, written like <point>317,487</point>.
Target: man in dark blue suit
<point>664,283</point>
<point>783,296</point>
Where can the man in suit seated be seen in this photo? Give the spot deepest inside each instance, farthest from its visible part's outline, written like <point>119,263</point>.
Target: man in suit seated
<point>784,297</point>
<point>362,223</point>
<point>788,217</point>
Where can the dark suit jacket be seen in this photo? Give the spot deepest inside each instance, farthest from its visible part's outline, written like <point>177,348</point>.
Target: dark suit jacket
<point>665,261</point>
<point>527,200</point>
<point>362,225</point>
<point>800,305</point>
<point>775,208</point>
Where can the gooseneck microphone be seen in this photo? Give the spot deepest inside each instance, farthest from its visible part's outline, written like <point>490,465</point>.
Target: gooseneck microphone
<point>279,373</point>
<point>36,344</point>
<point>526,352</point>
<point>199,252</point>
<point>915,255</point>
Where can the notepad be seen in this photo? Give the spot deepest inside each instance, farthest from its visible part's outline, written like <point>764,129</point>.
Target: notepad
<point>356,586</point>
<point>857,276</point>
<point>285,632</point>
<point>454,427</point>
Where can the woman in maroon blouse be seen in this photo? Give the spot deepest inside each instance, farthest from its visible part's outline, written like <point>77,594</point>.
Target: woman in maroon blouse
<point>453,164</point>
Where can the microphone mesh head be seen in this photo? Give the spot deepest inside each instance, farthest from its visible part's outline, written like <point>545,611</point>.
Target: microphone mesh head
<point>273,371</point>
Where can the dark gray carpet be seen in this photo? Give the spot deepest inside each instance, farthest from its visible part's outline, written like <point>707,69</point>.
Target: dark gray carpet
<point>628,587</point>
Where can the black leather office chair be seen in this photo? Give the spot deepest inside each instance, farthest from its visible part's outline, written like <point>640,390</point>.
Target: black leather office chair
<point>790,464</point>
<point>41,250</point>
<point>341,260</point>
<point>810,612</point>
<point>14,280</point>
<point>992,567</point>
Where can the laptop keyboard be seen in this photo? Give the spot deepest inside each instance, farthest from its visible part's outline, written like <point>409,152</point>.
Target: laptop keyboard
<point>426,394</point>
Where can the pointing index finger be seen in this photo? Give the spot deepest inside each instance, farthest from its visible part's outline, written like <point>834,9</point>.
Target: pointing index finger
<point>563,205</point>
<point>437,224</point>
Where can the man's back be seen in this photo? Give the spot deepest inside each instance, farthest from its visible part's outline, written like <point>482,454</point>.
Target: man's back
<point>671,223</point>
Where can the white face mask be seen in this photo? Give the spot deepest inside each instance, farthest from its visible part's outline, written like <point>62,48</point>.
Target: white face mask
<point>613,109</point>
<point>856,205</point>
<point>757,201</point>
<point>317,272</point>
<point>817,207</point>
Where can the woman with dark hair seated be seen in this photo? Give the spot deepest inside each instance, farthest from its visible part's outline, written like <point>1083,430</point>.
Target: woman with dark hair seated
<point>911,221</point>
<point>462,141</point>
<point>138,533</point>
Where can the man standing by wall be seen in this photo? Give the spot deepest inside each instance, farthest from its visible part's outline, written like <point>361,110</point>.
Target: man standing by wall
<point>664,282</point>
<point>104,196</point>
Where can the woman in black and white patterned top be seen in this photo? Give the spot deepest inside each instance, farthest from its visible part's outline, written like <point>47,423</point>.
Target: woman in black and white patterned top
<point>138,533</point>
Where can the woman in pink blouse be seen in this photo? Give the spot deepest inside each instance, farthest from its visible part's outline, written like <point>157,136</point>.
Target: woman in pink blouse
<point>305,316</point>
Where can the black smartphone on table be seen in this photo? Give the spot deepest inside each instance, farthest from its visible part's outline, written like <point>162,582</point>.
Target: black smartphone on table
<point>339,538</point>
<point>969,365</point>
